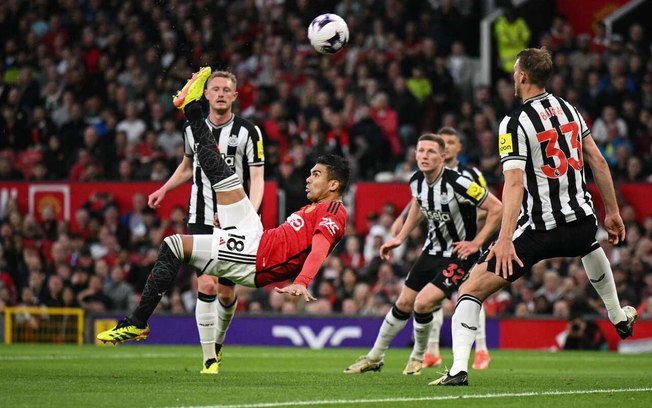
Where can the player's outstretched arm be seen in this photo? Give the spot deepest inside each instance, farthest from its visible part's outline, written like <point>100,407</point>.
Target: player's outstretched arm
<point>413,219</point>
<point>182,174</point>
<point>400,220</point>
<point>316,257</point>
<point>612,221</point>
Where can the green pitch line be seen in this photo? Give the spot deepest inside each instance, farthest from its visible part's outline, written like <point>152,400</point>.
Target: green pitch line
<point>168,376</point>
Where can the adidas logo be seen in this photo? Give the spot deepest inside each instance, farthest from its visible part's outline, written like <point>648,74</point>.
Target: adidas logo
<point>597,280</point>
<point>474,328</point>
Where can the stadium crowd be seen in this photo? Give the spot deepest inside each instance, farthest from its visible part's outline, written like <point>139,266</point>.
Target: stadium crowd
<point>85,95</point>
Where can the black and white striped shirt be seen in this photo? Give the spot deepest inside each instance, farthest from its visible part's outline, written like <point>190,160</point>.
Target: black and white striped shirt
<point>449,204</point>
<point>544,138</point>
<point>470,172</point>
<point>241,144</point>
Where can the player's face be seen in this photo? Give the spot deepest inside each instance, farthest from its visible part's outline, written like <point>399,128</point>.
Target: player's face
<point>453,147</point>
<point>429,156</point>
<point>220,93</point>
<point>318,185</point>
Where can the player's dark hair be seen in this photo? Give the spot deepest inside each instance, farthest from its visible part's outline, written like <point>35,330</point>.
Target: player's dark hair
<point>431,137</point>
<point>537,64</point>
<point>338,169</point>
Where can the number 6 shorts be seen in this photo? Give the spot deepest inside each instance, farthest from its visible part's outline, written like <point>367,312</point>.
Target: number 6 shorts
<point>228,254</point>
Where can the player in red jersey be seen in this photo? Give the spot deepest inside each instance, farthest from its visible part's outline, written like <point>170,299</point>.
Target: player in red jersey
<point>246,254</point>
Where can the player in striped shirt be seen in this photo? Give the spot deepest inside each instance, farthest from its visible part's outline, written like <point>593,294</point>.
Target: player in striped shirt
<point>245,254</point>
<point>547,210</point>
<point>433,358</point>
<point>448,201</point>
<point>241,145</point>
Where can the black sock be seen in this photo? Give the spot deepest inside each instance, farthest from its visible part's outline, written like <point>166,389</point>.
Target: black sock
<point>210,159</point>
<point>159,281</point>
<point>195,116</point>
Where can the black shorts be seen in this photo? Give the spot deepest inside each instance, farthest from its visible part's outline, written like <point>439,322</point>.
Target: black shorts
<point>576,238</point>
<point>202,229</point>
<point>445,273</point>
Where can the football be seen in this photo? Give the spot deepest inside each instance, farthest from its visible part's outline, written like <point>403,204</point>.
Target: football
<point>328,33</point>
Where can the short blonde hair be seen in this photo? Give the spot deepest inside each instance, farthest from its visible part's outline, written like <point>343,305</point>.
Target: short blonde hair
<point>224,74</point>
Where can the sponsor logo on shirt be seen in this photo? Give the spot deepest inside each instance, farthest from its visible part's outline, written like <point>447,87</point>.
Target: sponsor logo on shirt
<point>295,221</point>
<point>436,215</point>
<point>330,225</point>
<point>505,143</point>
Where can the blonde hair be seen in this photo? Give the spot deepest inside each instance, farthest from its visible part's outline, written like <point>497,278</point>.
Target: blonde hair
<point>224,74</point>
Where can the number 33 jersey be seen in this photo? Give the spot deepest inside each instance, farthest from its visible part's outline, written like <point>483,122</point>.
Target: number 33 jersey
<point>283,250</point>
<point>544,139</point>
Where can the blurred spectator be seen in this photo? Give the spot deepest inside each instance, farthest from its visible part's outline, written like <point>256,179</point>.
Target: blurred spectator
<point>119,291</point>
<point>512,34</point>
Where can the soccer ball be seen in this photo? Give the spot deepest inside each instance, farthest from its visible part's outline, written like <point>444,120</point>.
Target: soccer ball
<point>328,33</point>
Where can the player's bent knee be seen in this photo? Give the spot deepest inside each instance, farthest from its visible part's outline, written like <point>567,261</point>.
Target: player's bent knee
<point>423,307</point>
<point>404,305</point>
<point>175,244</point>
<point>207,285</point>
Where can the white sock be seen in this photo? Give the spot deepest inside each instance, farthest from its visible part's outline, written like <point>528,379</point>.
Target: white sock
<point>599,272</point>
<point>481,336</point>
<point>435,331</point>
<point>422,325</point>
<point>465,327</point>
<point>206,316</point>
<point>224,317</point>
<point>394,322</point>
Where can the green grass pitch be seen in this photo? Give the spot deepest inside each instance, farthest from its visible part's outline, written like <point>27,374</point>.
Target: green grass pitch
<point>168,376</point>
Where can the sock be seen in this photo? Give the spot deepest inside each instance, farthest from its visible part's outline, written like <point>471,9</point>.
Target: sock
<point>224,317</point>
<point>599,272</point>
<point>219,173</point>
<point>195,116</point>
<point>394,322</point>
<point>481,336</point>
<point>422,325</point>
<point>206,316</point>
<point>160,280</point>
<point>435,331</point>
<point>465,327</point>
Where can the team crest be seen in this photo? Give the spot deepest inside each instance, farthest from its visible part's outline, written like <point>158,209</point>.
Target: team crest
<point>444,198</point>
<point>233,141</point>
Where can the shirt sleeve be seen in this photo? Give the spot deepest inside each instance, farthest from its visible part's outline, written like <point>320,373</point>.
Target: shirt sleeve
<point>584,129</point>
<point>468,191</point>
<point>318,254</point>
<point>188,147</point>
<point>332,222</point>
<point>512,143</point>
<point>255,150</point>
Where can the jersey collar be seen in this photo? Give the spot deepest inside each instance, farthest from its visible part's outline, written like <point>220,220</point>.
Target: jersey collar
<point>536,98</point>
<point>214,126</point>
<point>443,168</point>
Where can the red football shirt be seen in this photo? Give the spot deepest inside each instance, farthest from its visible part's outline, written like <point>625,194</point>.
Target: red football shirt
<point>283,250</point>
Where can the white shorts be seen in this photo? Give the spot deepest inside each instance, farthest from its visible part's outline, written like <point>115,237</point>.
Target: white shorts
<point>230,253</point>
